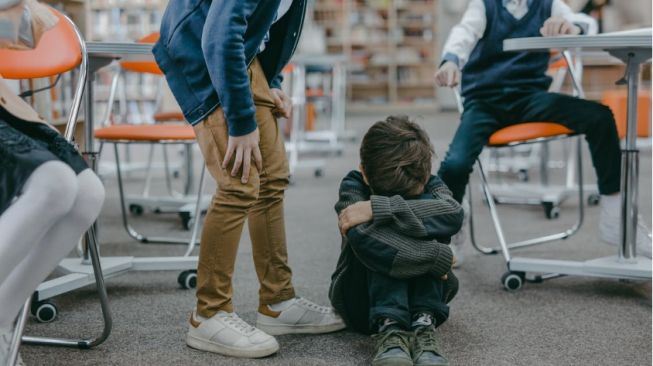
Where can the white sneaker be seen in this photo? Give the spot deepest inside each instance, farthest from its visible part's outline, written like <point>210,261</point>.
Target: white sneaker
<point>610,226</point>
<point>298,316</point>
<point>227,334</point>
<point>458,240</point>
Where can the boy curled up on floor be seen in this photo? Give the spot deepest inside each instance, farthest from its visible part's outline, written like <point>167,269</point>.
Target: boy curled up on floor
<point>393,277</point>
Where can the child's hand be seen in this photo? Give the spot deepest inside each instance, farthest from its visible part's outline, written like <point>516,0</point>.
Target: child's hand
<point>282,102</point>
<point>453,263</point>
<point>448,75</point>
<point>558,26</point>
<point>356,214</point>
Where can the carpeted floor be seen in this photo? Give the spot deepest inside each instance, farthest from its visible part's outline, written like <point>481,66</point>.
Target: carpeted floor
<point>565,321</point>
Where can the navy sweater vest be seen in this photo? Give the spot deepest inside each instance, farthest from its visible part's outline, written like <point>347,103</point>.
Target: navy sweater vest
<point>491,69</point>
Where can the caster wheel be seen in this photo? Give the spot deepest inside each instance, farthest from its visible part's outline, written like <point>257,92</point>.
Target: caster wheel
<point>512,281</point>
<point>186,220</point>
<point>136,209</point>
<point>552,211</point>
<point>593,199</point>
<point>522,175</point>
<point>188,279</point>
<point>318,173</point>
<point>44,311</point>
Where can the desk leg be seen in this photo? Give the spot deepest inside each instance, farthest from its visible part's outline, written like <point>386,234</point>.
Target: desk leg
<point>630,168</point>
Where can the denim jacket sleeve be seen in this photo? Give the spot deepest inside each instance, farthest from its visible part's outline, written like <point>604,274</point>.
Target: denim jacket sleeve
<point>223,45</point>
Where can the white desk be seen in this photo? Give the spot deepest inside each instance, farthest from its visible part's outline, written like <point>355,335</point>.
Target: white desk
<point>633,48</point>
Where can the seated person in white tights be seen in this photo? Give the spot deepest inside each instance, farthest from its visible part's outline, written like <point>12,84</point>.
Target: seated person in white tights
<point>48,199</point>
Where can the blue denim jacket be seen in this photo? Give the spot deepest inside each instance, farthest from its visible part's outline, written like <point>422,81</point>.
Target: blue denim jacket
<point>206,47</point>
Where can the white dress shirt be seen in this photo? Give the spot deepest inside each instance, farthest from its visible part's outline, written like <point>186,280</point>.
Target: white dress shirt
<point>464,36</point>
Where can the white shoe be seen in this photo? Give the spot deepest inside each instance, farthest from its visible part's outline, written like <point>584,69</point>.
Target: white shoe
<point>299,316</point>
<point>458,240</point>
<point>610,226</point>
<point>227,334</point>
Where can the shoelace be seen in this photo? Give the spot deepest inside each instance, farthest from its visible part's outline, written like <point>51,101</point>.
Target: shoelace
<point>426,340</point>
<point>313,306</point>
<point>235,321</point>
<point>392,339</point>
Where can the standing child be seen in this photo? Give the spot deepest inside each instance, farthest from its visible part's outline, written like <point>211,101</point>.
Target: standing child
<point>394,275</point>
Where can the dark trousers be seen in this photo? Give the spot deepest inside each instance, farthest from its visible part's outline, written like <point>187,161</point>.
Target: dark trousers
<point>485,114</point>
<point>399,299</point>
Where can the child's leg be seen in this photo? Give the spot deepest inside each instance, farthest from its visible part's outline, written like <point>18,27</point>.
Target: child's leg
<point>388,299</point>
<point>592,119</point>
<point>389,318</point>
<point>477,123</point>
<point>596,122</point>
<point>429,295</point>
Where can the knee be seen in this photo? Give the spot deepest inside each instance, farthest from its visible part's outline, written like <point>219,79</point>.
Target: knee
<point>456,165</point>
<point>54,187</point>
<point>603,118</point>
<point>89,199</point>
<point>240,197</point>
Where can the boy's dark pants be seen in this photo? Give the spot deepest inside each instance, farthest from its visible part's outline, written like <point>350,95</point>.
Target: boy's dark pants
<point>487,113</point>
<point>399,299</point>
<point>362,284</point>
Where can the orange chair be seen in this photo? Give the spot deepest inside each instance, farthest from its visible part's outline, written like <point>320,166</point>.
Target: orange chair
<point>61,49</point>
<point>162,134</point>
<point>520,134</point>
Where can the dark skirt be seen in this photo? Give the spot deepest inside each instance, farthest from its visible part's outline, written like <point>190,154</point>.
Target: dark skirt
<point>24,146</point>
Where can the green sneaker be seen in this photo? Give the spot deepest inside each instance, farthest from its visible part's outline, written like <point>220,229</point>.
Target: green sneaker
<point>392,348</point>
<point>425,348</point>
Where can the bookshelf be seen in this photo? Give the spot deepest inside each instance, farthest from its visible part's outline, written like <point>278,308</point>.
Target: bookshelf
<point>391,46</point>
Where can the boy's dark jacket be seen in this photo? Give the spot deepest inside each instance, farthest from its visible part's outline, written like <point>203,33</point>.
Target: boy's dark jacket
<point>405,239</point>
<point>206,46</point>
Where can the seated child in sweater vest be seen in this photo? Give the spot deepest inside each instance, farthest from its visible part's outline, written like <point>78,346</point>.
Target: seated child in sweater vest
<point>505,88</point>
<point>393,277</point>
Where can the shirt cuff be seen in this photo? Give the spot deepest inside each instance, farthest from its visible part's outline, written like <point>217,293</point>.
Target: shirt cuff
<point>450,57</point>
<point>584,27</point>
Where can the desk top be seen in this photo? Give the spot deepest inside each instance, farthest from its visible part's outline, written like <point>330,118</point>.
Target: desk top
<point>120,50</point>
<point>636,39</point>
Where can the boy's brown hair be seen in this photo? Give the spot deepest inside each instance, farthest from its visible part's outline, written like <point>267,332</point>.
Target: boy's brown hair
<point>396,157</point>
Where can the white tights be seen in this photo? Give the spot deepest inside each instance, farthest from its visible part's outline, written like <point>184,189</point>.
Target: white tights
<point>41,227</point>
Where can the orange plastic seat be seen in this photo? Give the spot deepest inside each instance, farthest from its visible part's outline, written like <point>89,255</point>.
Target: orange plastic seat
<point>169,116</point>
<point>59,46</point>
<point>527,131</point>
<point>146,67</point>
<point>148,133</point>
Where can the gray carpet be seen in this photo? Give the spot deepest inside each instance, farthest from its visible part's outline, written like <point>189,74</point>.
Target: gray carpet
<point>565,321</point>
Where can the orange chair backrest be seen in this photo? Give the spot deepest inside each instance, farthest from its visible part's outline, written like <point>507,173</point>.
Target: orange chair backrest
<point>58,51</point>
<point>147,67</point>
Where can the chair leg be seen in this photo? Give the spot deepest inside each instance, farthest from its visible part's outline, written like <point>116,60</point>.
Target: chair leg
<point>18,333</point>
<point>123,209</point>
<point>91,240</point>
<point>535,241</point>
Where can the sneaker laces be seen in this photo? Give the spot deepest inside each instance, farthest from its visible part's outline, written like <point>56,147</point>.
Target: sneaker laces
<point>425,340</point>
<point>392,338</point>
<point>239,324</point>
<point>315,307</point>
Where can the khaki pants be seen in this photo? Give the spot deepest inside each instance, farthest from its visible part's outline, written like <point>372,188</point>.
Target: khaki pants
<point>260,201</point>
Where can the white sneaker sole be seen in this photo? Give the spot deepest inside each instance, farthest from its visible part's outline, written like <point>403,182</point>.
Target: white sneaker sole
<point>281,329</point>
<point>262,350</point>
